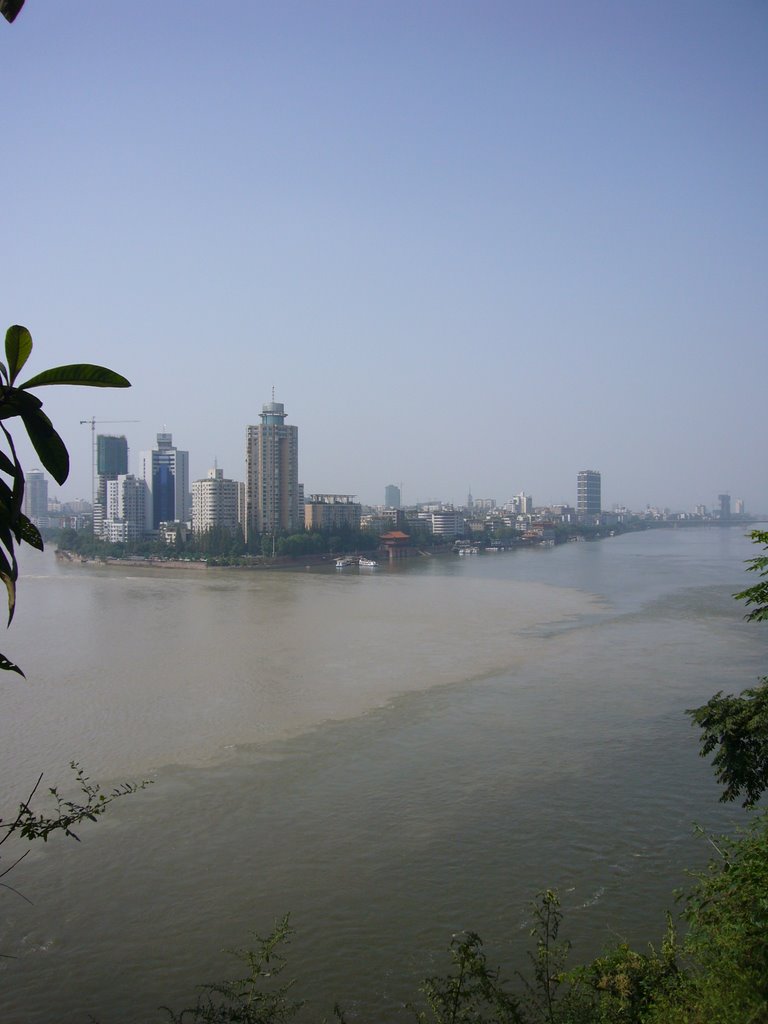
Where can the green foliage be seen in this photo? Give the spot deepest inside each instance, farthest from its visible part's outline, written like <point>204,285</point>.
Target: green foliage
<point>237,547</point>
<point>621,985</point>
<point>737,729</point>
<point>84,543</point>
<point>471,993</point>
<point>719,973</point>
<point>219,545</point>
<point>727,943</point>
<point>84,374</point>
<point>420,534</point>
<point>757,594</point>
<point>315,542</point>
<point>258,997</point>
<point>548,957</point>
<point>31,823</point>
<point>15,401</point>
<point>218,541</point>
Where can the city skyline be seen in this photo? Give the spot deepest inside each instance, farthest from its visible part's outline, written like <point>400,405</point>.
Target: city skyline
<point>490,243</point>
<point>456,495</point>
<point>568,494</point>
<point>279,445</point>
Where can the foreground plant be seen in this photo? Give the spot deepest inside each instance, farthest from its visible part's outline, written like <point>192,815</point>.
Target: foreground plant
<point>736,728</point>
<point>31,823</point>
<point>17,401</point>
<point>725,952</point>
<point>255,998</point>
<point>471,992</point>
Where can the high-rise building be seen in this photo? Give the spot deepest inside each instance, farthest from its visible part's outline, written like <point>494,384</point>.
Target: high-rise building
<point>36,495</point>
<point>392,496</point>
<point>128,509</point>
<point>588,497</point>
<point>523,503</point>
<point>166,472</point>
<point>111,462</point>
<point>214,502</point>
<point>725,505</point>
<point>273,496</point>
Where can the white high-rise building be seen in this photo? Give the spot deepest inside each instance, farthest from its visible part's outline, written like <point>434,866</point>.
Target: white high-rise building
<point>165,470</point>
<point>524,503</point>
<point>273,496</point>
<point>128,509</point>
<point>214,502</point>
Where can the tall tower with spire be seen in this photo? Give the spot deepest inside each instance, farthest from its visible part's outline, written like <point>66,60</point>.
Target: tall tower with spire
<point>272,496</point>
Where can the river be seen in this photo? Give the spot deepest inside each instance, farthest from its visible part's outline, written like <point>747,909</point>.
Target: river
<point>391,755</point>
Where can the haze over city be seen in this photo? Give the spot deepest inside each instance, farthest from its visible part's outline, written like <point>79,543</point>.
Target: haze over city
<point>477,246</point>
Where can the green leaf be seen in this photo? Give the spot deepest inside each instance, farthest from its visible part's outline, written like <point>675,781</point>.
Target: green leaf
<point>9,666</point>
<point>79,373</point>
<point>9,569</point>
<point>18,345</point>
<point>28,532</point>
<point>10,8</point>
<point>48,445</point>
<point>17,495</point>
<point>6,500</point>
<point>6,538</point>
<point>10,586</point>
<point>5,464</point>
<point>16,402</point>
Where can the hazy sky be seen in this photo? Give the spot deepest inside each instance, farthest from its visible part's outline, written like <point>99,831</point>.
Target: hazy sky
<point>470,244</point>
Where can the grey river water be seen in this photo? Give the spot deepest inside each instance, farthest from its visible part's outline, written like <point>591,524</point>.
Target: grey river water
<point>392,756</point>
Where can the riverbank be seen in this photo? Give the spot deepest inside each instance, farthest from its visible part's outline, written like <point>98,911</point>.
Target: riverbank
<point>326,560</point>
<point>73,558</point>
<point>248,563</point>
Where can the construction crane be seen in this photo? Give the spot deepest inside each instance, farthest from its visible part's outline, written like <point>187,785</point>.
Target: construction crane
<point>93,421</point>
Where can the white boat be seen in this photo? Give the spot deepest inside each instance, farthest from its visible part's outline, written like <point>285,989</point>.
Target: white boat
<point>342,563</point>
<point>368,563</point>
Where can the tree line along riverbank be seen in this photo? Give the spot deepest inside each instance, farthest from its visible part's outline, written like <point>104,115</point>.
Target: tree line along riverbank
<point>222,549</point>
